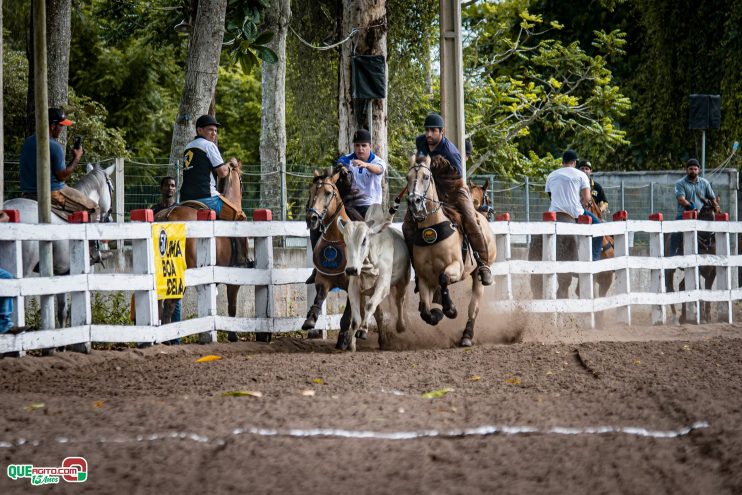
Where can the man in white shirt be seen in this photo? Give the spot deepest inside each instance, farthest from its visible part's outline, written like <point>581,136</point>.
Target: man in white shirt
<point>367,169</point>
<point>569,190</point>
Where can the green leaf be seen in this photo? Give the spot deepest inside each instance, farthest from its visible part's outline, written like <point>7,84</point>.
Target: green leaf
<point>249,30</point>
<point>264,37</point>
<point>247,61</point>
<point>434,394</point>
<point>266,54</point>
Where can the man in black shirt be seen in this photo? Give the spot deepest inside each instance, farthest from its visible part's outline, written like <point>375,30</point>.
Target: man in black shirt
<point>595,189</point>
<point>167,190</point>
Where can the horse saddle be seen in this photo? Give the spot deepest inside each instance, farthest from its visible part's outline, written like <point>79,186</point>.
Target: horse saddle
<point>164,214</point>
<point>329,257</point>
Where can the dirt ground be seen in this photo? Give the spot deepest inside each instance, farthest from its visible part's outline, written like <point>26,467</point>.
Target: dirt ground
<point>522,414</point>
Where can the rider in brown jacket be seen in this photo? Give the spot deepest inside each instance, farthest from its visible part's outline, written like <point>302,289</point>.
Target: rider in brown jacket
<point>451,186</point>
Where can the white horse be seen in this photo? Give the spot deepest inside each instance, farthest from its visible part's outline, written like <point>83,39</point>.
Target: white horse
<point>97,186</point>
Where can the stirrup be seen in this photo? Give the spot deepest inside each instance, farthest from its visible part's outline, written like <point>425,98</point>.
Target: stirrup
<point>485,275</point>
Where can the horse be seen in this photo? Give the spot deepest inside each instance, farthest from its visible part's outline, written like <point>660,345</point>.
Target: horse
<point>97,186</point>
<point>706,245</point>
<point>481,199</point>
<point>567,251</point>
<point>437,257</point>
<point>226,249</point>
<point>324,207</point>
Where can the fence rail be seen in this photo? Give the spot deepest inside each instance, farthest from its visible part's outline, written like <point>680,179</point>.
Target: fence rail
<point>265,277</point>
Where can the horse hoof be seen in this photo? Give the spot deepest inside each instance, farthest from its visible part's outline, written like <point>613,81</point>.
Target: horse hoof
<point>436,315</point>
<point>314,334</point>
<point>308,324</point>
<point>465,342</point>
<point>343,341</point>
<point>362,334</point>
<point>232,337</point>
<point>451,312</point>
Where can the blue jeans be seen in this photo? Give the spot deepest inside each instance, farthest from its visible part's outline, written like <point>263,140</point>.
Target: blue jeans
<point>175,317</point>
<point>213,202</point>
<point>6,307</point>
<point>597,241</point>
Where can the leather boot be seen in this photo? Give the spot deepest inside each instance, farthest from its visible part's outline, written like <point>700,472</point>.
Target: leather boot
<point>485,275</point>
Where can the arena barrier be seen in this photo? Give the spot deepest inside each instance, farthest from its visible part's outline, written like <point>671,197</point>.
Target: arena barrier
<point>264,277</point>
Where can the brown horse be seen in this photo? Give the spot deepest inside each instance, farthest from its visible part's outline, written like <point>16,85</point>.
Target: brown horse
<point>438,259</point>
<point>481,199</point>
<point>706,245</point>
<point>324,207</point>
<point>226,248</point>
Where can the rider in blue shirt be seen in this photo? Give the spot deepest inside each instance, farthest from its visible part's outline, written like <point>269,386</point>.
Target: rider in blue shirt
<point>691,192</point>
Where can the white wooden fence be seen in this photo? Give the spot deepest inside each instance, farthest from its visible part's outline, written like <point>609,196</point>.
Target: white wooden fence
<point>81,281</point>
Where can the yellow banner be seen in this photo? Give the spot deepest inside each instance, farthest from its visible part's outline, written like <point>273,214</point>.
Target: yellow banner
<point>170,263</point>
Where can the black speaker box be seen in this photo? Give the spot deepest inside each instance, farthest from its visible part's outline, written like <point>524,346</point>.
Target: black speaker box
<point>368,77</point>
<point>705,112</point>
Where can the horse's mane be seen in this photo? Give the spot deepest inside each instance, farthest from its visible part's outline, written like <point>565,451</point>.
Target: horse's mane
<point>92,181</point>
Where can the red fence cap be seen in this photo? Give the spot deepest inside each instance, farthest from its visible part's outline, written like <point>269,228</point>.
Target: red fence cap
<point>586,219</point>
<point>721,217</point>
<point>690,215</point>
<point>14,216</point>
<point>620,215</point>
<point>78,217</point>
<point>206,215</point>
<point>144,215</point>
<point>657,217</point>
<point>262,215</point>
<point>502,217</point>
<point>549,216</point>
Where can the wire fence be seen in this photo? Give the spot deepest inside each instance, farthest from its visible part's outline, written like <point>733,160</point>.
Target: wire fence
<point>524,200</point>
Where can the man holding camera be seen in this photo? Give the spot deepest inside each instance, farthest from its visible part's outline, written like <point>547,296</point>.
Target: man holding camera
<point>62,196</point>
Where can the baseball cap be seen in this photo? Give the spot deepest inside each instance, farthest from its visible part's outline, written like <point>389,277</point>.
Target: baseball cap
<point>57,116</point>
<point>585,163</point>
<point>362,136</point>
<point>569,156</point>
<point>434,120</point>
<point>692,163</point>
<point>206,120</point>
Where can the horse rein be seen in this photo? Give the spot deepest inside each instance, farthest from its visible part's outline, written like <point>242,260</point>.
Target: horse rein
<point>439,204</point>
<point>335,192</point>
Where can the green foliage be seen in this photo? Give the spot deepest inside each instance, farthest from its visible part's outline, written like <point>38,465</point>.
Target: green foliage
<point>243,37</point>
<point>111,309</point>
<point>15,72</point>
<point>100,141</point>
<point>529,96</point>
<point>238,107</point>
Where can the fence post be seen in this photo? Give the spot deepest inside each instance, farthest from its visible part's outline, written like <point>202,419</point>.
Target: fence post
<point>549,254</point>
<point>80,314</point>
<point>528,204</point>
<point>623,276</point>
<point>264,261</point>
<point>723,279</point>
<point>119,207</point>
<point>206,256</point>
<point>623,196</point>
<point>651,197</point>
<point>11,261</point>
<point>143,262</point>
<point>503,283</point>
<point>657,277</point>
<point>690,248</point>
<point>585,253</point>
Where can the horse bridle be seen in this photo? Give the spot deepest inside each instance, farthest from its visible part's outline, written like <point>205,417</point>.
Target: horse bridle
<point>438,204</point>
<point>321,216</point>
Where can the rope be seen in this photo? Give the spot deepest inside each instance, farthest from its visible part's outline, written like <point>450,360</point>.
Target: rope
<point>326,47</point>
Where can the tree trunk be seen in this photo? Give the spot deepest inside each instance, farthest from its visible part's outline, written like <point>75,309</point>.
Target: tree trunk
<point>58,36</point>
<point>369,17</point>
<point>201,75</point>
<point>273,112</point>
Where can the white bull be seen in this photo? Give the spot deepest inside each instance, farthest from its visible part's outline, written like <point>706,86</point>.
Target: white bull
<point>378,265</point>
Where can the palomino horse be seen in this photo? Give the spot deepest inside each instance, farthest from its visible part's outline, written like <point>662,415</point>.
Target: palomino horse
<point>567,251</point>
<point>226,249</point>
<point>706,245</point>
<point>96,185</point>
<point>324,207</point>
<point>440,262</point>
<point>481,199</point>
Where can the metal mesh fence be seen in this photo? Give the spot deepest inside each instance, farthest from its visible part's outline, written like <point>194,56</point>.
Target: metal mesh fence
<point>525,201</point>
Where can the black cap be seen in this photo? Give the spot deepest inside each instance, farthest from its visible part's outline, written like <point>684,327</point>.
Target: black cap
<point>434,120</point>
<point>585,163</point>
<point>569,156</point>
<point>205,120</point>
<point>692,162</point>
<point>57,116</point>
<point>362,136</point>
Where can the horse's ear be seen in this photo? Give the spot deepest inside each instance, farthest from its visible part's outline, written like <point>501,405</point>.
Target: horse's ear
<point>486,185</point>
<point>341,224</point>
<point>315,173</point>
<point>379,227</point>
<point>413,160</point>
<point>471,184</point>
<point>89,168</point>
<point>109,170</point>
